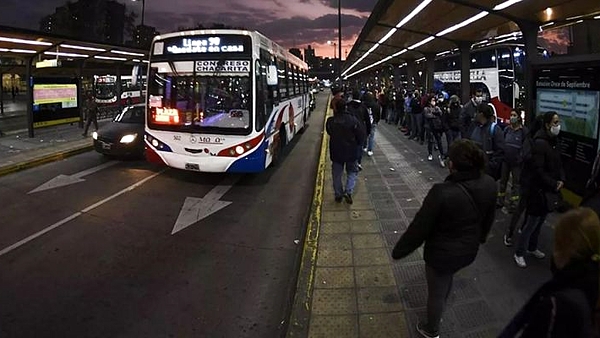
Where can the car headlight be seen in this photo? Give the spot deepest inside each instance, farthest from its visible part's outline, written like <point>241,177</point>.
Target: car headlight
<point>128,138</point>
<point>95,135</point>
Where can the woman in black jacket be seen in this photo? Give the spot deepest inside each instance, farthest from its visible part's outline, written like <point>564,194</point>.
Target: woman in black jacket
<point>566,305</point>
<point>453,221</point>
<point>546,179</point>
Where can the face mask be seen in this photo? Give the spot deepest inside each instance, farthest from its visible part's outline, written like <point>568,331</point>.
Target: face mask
<point>554,130</point>
<point>478,99</point>
<point>514,120</point>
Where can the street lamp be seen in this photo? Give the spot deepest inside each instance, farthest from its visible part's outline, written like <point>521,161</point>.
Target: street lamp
<point>143,8</point>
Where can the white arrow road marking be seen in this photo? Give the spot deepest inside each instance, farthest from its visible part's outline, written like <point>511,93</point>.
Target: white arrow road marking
<point>62,180</point>
<point>196,209</point>
<point>75,215</point>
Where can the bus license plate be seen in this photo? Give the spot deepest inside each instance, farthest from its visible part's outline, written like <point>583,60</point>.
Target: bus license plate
<point>192,166</point>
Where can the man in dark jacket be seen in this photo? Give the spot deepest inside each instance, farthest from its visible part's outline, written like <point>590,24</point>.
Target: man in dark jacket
<point>490,138</point>
<point>357,108</point>
<point>375,111</point>
<point>469,112</point>
<point>345,136</point>
<point>453,221</point>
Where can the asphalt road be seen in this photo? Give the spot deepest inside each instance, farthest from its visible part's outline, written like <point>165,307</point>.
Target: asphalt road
<point>108,266</point>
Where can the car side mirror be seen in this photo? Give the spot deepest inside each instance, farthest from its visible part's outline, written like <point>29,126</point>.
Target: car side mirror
<point>272,75</point>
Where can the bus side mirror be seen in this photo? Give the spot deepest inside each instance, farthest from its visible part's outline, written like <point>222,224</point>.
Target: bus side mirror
<point>272,75</point>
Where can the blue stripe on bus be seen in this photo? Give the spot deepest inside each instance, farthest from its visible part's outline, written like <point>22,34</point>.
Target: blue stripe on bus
<point>252,163</point>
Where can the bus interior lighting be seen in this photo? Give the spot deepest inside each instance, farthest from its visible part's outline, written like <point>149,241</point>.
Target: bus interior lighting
<point>27,42</point>
<point>93,49</point>
<point>506,4</point>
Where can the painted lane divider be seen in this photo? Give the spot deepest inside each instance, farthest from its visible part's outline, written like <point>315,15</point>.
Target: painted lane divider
<point>77,214</point>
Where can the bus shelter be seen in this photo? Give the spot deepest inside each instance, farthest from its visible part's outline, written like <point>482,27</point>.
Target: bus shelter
<point>59,73</point>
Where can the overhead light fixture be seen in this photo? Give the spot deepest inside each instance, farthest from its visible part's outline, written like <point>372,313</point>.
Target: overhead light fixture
<point>94,49</point>
<point>419,60</point>
<point>402,22</point>
<point>26,51</point>
<point>578,21</point>
<point>126,53</point>
<point>548,11</point>
<point>506,4</point>
<point>575,17</point>
<point>547,24</point>
<point>414,12</point>
<point>109,58</point>
<point>3,49</point>
<point>136,60</point>
<point>597,17</point>
<point>467,22</point>
<point>421,43</point>
<point>23,41</point>
<point>400,52</point>
<point>74,55</point>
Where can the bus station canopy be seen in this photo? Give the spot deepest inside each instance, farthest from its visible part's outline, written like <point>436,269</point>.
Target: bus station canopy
<point>400,30</point>
<point>28,44</point>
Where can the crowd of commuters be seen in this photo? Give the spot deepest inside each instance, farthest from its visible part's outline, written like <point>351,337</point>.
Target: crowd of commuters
<point>483,156</point>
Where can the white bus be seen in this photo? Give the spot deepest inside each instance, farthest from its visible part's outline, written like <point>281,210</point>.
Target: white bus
<point>106,89</point>
<point>222,100</point>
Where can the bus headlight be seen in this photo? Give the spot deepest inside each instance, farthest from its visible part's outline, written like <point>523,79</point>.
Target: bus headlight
<point>239,150</point>
<point>128,138</point>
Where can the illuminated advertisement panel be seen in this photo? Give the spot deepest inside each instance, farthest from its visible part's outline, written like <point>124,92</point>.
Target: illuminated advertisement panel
<point>55,101</point>
<point>573,92</point>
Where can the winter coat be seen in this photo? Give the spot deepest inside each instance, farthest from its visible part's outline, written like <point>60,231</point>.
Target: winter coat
<point>375,110</point>
<point>490,139</point>
<point>543,172</point>
<point>345,136</point>
<point>562,307</point>
<point>433,118</point>
<point>513,145</point>
<point>467,118</point>
<point>452,118</point>
<point>450,224</point>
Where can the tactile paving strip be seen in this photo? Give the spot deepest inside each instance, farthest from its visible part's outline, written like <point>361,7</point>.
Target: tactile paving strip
<point>393,225</point>
<point>407,274</point>
<point>473,315</point>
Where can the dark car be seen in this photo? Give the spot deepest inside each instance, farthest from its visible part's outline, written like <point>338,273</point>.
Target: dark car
<point>124,135</point>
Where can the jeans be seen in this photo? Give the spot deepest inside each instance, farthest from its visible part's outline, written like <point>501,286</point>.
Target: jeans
<point>359,154</point>
<point>431,135</point>
<point>438,289</point>
<point>417,126</point>
<point>451,136</point>
<point>351,173</point>
<point>371,140</point>
<point>507,169</point>
<point>529,236</point>
<point>390,115</point>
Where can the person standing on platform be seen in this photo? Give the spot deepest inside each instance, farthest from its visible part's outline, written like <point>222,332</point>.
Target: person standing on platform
<point>92,114</point>
<point>357,108</point>
<point>345,136</point>
<point>375,111</point>
<point>469,112</point>
<point>490,138</point>
<point>338,94</point>
<point>455,218</point>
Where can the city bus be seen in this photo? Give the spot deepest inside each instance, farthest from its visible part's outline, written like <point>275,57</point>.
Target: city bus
<point>106,90</point>
<point>222,100</point>
<point>497,70</point>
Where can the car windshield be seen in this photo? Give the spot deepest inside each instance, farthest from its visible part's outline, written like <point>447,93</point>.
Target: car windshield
<point>131,115</point>
<point>210,102</point>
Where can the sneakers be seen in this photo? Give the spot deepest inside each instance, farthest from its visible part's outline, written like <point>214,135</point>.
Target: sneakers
<point>369,153</point>
<point>348,198</point>
<point>442,163</point>
<point>520,261</point>
<point>365,150</point>
<point>430,157</point>
<point>537,254</point>
<point>359,166</point>
<point>508,241</point>
<point>338,199</point>
<point>421,329</point>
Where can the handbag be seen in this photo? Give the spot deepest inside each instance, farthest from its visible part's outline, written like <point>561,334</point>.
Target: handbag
<point>553,199</point>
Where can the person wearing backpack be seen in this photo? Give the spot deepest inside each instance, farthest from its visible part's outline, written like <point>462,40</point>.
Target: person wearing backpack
<point>357,108</point>
<point>489,137</point>
<point>514,136</point>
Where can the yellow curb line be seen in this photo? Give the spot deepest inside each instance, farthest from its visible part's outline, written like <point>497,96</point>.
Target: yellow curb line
<point>12,168</point>
<point>299,326</point>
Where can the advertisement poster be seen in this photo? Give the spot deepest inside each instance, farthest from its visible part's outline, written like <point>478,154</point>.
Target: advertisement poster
<point>574,94</point>
<point>55,101</point>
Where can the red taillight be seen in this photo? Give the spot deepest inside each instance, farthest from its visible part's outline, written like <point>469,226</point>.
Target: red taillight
<point>241,148</point>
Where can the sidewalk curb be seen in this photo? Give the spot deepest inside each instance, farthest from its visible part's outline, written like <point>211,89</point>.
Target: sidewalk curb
<point>34,162</point>
<point>300,313</point>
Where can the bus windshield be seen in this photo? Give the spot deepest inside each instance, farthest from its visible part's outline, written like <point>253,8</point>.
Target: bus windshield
<point>189,102</point>
<point>105,91</point>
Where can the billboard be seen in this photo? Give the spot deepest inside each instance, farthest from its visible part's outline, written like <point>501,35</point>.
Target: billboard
<point>55,101</point>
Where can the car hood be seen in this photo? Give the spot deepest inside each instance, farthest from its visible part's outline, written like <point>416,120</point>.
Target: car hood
<point>114,131</point>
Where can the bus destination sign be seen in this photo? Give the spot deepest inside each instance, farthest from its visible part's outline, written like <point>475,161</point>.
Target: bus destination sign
<point>203,45</point>
<point>210,66</point>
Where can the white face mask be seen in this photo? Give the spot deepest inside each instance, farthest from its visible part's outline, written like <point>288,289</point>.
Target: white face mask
<point>554,130</point>
<point>478,99</point>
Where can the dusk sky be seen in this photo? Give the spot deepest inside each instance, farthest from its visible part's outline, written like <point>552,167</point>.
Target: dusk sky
<point>292,23</point>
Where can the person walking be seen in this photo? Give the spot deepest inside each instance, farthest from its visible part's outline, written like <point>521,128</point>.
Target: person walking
<point>547,179</point>
<point>455,218</point>
<point>345,135</point>
<point>92,115</point>
<point>357,108</point>
<point>565,306</point>
<point>433,129</point>
<point>375,111</point>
